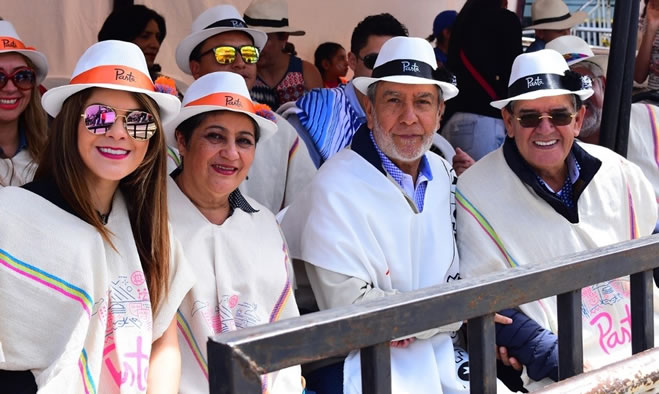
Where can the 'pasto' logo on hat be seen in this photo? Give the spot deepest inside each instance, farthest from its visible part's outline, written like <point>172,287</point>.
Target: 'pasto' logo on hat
<point>530,82</point>
<point>8,43</point>
<point>120,75</point>
<point>230,101</point>
<point>408,67</point>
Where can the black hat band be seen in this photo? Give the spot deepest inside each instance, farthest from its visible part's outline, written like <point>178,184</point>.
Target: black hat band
<point>227,23</point>
<point>266,22</point>
<point>555,19</point>
<point>410,67</point>
<point>571,81</point>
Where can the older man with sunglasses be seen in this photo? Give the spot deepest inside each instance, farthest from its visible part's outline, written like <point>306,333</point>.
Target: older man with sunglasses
<point>221,41</point>
<point>543,195</point>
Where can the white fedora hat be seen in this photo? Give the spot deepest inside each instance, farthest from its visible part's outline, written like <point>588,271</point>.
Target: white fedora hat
<point>213,21</point>
<point>543,73</point>
<point>575,50</point>
<point>270,16</point>
<point>408,60</point>
<point>554,15</point>
<point>116,65</point>
<point>215,92</point>
<point>11,42</point>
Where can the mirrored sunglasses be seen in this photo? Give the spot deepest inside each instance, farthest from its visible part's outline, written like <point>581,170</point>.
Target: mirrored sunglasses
<point>23,78</point>
<point>557,118</point>
<point>369,60</point>
<point>99,118</point>
<point>226,54</point>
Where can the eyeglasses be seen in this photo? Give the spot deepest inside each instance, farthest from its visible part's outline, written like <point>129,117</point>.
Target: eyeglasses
<point>99,119</point>
<point>23,78</point>
<point>226,54</point>
<point>557,118</point>
<point>369,60</point>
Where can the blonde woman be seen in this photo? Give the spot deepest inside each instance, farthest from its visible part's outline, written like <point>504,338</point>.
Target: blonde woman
<point>89,277</point>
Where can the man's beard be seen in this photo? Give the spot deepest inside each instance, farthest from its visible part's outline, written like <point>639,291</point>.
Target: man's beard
<point>388,147</point>
<point>591,122</point>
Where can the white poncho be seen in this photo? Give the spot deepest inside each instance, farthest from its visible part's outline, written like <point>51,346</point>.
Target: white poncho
<point>502,223</point>
<point>18,170</point>
<point>355,221</point>
<point>75,311</point>
<point>242,281</point>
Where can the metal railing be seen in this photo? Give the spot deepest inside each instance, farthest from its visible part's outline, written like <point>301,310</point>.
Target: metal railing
<point>237,359</point>
<point>596,30</point>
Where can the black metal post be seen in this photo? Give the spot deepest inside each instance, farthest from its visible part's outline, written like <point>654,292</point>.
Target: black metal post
<point>482,356</point>
<point>376,369</point>
<point>228,372</point>
<point>570,342</point>
<point>642,311</point>
<point>622,134</point>
<point>618,66</point>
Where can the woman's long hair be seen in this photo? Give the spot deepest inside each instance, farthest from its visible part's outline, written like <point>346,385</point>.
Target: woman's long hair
<point>35,120</point>
<point>144,190</point>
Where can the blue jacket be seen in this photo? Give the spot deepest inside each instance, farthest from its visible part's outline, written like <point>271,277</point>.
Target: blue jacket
<point>530,344</point>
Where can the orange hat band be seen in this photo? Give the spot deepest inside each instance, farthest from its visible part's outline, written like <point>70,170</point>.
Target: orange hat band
<point>115,75</point>
<point>228,100</point>
<point>9,43</point>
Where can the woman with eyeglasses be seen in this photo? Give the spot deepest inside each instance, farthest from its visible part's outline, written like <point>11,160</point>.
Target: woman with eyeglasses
<point>23,121</point>
<point>234,243</point>
<point>89,277</point>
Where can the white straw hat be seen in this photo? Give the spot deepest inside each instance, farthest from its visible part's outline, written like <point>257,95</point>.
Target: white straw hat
<point>215,92</point>
<point>543,73</point>
<point>554,15</point>
<point>270,16</point>
<point>575,50</point>
<point>116,65</point>
<point>11,42</point>
<point>408,60</point>
<point>213,21</point>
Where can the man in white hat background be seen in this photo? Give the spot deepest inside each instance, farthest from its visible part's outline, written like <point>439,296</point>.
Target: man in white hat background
<point>551,19</point>
<point>328,118</point>
<point>543,195</point>
<point>377,219</point>
<point>643,138</point>
<point>282,77</point>
<point>221,41</point>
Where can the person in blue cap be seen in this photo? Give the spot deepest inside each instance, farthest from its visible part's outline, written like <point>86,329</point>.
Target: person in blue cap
<point>441,32</point>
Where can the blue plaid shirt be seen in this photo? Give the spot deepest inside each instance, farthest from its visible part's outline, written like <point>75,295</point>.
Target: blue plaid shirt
<point>567,190</point>
<point>405,181</point>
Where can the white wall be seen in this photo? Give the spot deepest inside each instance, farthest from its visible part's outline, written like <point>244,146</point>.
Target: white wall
<point>64,29</point>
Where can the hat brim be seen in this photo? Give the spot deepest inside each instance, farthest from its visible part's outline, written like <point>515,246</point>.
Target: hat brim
<point>53,99</point>
<point>291,31</point>
<point>583,95</point>
<point>185,48</point>
<point>575,19</point>
<point>448,90</point>
<point>267,128</point>
<point>36,57</point>
<point>601,60</point>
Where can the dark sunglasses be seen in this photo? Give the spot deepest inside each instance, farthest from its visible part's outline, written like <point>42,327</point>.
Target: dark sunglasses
<point>557,118</point>
<point>226,54</point>
<point>99,118</point>
<point>23,78</point>
<point>369,60</point>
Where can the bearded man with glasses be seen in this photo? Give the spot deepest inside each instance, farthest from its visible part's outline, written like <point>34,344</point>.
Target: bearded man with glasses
<point>221,41</point>
<point>543,194</point>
